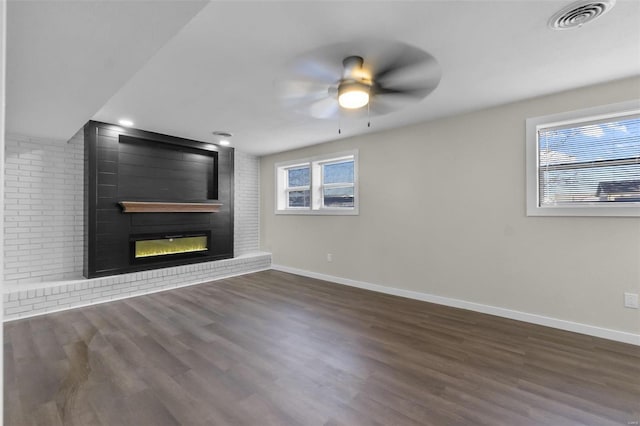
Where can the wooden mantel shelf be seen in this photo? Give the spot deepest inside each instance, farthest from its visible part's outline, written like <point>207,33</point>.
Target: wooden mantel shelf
<point>162,207</point>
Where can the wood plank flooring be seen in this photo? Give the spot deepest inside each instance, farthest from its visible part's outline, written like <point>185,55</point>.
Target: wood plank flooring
<point>272,348</point>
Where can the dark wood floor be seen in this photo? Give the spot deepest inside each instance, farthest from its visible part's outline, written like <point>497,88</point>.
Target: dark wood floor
<point>274,348</point>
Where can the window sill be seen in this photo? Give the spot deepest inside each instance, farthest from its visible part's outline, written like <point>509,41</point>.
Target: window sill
<point>587,211</point>
<point>323,212</point>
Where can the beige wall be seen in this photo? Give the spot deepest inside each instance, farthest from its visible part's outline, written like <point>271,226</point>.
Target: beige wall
<point>442,211</point>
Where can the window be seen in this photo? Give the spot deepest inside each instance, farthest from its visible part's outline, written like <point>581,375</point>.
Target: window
<point>337,184</point>
<point>318,185</point>
<point>585,163</point>
<point>298,191</point>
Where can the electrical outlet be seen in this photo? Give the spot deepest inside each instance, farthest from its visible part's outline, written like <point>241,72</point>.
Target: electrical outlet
<point>329,257</point>
<point>631,300</point>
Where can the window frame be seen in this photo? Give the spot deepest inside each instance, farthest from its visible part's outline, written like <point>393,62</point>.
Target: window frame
<point>535,124</point>
<point>316,185</point>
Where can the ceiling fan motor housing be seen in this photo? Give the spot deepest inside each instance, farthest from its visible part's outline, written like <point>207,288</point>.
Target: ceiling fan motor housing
<point>352,66</point>
<point>354,88</point>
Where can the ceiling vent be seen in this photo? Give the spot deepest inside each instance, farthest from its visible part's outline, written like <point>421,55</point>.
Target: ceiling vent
<point>579,13</point>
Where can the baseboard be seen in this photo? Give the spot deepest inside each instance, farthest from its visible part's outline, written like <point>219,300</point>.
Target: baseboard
<point>591,330</point>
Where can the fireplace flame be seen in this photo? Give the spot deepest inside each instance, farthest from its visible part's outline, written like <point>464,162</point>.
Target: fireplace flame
<point>166,246</point>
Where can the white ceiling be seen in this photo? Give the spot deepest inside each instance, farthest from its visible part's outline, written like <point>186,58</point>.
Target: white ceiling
<point>189,68</point>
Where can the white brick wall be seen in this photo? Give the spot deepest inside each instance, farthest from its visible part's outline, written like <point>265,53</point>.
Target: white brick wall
<point>246,235</point>
<point>44,230</point>
<point>43,209</point>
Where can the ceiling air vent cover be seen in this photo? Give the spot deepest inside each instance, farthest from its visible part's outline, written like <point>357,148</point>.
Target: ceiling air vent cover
<point>579,13</point>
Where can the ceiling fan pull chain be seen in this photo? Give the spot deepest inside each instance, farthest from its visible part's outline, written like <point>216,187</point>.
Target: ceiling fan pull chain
<point>339,125</point>
<point>369,114</point>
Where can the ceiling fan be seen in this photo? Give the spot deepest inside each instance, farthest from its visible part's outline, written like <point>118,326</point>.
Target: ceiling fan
<point>358,78</point>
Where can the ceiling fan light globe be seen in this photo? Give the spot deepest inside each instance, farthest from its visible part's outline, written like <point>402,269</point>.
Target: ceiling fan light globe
<point>353,96</point>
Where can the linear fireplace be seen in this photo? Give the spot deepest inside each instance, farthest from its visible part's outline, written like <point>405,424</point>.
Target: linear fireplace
<point>153,248</point>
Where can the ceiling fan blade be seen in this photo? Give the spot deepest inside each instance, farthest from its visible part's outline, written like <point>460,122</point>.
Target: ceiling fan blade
<point>413,67</point>
<point>389,99</point>
<point>317,105</point>
<point>406,57</point>
<point>414,92</point>
<point>382,105</point>
<point>413,85</point>
<point>325,108</point>
<point>307,81</point>
<point>315,71</point>
<point>291,90</point>
<point>323,65</point>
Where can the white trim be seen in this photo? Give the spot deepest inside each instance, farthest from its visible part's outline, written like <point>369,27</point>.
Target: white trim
<point>3,74</point>
<point>534,124</point>
<point>591,330</point>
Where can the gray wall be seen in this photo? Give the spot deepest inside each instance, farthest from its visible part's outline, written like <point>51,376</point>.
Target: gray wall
<point>442,212</point>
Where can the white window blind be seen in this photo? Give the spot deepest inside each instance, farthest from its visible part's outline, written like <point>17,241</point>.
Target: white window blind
<point>589,162</point>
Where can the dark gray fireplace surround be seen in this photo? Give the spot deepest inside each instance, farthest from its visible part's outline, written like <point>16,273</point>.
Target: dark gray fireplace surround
<point>129,165</point>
